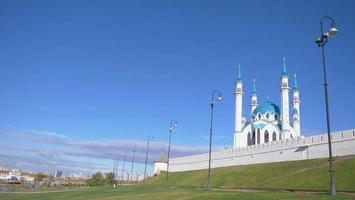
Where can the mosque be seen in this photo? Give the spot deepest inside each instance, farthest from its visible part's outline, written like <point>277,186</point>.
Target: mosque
<point>267,122</point>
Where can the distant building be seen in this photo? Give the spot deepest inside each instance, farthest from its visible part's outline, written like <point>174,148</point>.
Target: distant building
<point>58,174</point>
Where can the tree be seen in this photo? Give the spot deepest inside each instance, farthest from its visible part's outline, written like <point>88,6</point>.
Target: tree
<point>109,178</point>
<point>97,179</point>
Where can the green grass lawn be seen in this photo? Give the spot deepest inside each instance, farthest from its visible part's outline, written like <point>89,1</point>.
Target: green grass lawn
<point>305,174</point>
<point>160,193</point>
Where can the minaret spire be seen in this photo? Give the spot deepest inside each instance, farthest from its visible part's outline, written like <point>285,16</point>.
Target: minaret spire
<point>239,76</point>
<point>254,99</point>
<point>284,70</point>
<point>295,85</point>
<point>254,87</point>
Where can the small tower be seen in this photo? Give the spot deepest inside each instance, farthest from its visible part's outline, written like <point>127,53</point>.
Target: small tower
<point>254,99</point>
<point>238,117</point>
<point>296,109</point>
<point>284,98</point>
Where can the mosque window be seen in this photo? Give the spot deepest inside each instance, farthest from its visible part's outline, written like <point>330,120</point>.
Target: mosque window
<point>253,138</point>
<point>267,115</point>
<point>249,139</point>
<point>266,136</point>
<point>274,136</point>
<point>259,115</point>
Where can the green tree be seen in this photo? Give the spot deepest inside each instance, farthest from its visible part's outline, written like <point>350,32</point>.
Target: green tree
<point>109,178</point>
<point>96,179</point>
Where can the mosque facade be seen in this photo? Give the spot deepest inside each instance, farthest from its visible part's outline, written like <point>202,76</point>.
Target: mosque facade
<point>267,122</point>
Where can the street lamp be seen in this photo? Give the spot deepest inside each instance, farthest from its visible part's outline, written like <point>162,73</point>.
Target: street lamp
<point>219,98</point>
<point>134,153</point>
<point>150,139</point>
<point>124,162</point>
<point>173,125</point>
<point>321,41</point>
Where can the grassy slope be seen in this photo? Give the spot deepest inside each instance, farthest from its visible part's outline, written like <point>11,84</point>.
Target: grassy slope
<point>306,174</point>
<point>156,193</point>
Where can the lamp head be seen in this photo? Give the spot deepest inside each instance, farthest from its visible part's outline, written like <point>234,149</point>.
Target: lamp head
<point>173,125</point>
<point>319,41</point>
<point>332,31</point>
<point>219,98</point>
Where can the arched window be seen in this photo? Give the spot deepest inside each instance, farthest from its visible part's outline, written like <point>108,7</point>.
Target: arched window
<point>274,136</point>
<point>253,138</point>
<point>267,115</point>
<point>280,136</point>
<point>258,137</point>
<point>249,139</point>
<point>266,136</point>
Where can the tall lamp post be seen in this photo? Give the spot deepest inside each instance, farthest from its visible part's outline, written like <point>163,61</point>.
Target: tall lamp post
<point>150,139</point>
<point>219,98</point>
<point>134,153</point>
<point>124,162</point>
<point>173,125</point>
<point>321,41</point>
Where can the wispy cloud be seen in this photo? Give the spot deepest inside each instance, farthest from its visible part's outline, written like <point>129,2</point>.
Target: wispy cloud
<point>62,145</point>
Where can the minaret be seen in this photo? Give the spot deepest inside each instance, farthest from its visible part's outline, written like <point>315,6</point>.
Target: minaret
<point>254,99</point>
<point>284,98</point>
<point>296,109</point>
<point>238,103</point>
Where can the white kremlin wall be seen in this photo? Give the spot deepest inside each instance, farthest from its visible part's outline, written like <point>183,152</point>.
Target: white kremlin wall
<point>343,143</point>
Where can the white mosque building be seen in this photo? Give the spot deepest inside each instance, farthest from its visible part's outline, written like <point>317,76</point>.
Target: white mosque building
<point>268,123</point>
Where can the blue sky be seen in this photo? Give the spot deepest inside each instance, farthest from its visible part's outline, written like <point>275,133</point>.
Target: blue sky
<point>80,75</point>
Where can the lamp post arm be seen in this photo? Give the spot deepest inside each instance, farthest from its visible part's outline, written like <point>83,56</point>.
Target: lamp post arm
<point>329,18</point>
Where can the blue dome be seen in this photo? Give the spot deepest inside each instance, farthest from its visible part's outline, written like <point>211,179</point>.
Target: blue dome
<point>266,107</point>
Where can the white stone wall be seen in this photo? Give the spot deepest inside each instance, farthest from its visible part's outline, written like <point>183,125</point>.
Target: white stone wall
<point>343,143</point>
